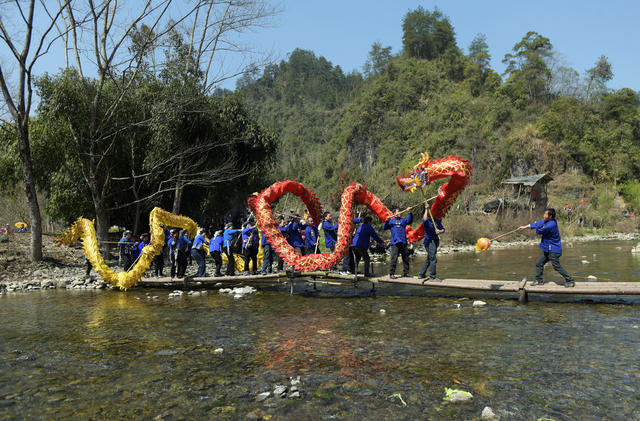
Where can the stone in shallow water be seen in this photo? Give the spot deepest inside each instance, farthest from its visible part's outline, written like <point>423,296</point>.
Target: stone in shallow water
<point>488,414</point>
<point>280,391</point>
<point>479,303</point>
<point>218,351</point>
<point>262,396</point>
<point>456,395</point>
<point>295,395</point>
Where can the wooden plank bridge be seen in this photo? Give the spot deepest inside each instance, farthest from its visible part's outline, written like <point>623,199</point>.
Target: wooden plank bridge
<point>521,288</point>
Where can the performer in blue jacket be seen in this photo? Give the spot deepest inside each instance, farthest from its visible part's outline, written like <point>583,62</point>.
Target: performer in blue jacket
<point>198,253</point>
<point>267,262</point>
<point>431,243</point>
<point>284,229</point>
<point>182,250</point>
<point>311,236</point>
<point>215,250</point>
<point>551,246</point>
<point>295,236</point>
<point>173,250</point>
<point>228,234</point>
<point>250,248</point>
<point>398,241</point>
<point>359,248</point>
<point>330,232</point>
<point>125,250</point>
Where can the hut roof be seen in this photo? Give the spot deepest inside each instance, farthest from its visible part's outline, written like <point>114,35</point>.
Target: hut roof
<point>529,180</point>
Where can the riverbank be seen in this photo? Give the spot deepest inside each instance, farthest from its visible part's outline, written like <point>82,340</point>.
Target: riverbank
<point>64,267</point>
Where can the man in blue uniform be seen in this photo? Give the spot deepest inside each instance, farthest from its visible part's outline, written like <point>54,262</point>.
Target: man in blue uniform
<point>125,250</point>
<point>250,248</point>
<point>215,250</point>
<point>158,260</point>
<point>330,232</point>
<point>182,250</point>
<point>198,253</point>
<point>398,241</point>
<point>295,236</point>
<point>360,246</point>
<point>228,234</point>
<point>311,237</point>
<point>283,228</point>
<point>135,253</point>
<point>431,243</point>
<point>267,262</point>
<point>173,251</point>
<point>144,241</point>
<point>551,246</point>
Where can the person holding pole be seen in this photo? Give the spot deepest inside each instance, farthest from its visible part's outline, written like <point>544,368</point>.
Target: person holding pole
<point>551,246</point>
<point>215,250</point>
<point>227,236</point>
<point>311,237</point>
<point>182,251</point>
<point>284,229</point>
<point>267,262</point>
<point>330,232</point>
<point>432,229</point>
<point>250,248</point>
<point>398,241</point>
<point>360,245</point>
<point>198,253</point>
<point>124,246</point>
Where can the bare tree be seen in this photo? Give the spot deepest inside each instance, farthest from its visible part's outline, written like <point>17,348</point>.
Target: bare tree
<point>213,33</point>
<point>105,38</point>
<point>188,164</point>
<point>26,45</point>
<point>108,32</point>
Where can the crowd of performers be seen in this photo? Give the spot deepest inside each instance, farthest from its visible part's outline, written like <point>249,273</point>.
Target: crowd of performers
<point>304,237</point>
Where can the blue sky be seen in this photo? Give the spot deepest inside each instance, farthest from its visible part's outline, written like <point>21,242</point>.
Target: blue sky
<point>343,31</point>
<point>581,31</point>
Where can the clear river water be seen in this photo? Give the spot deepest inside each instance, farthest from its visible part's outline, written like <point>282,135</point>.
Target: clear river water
<point>125,355</point>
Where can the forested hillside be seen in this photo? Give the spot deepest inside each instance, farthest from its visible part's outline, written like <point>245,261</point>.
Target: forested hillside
<point>167,137</point>
<point>540,116</point>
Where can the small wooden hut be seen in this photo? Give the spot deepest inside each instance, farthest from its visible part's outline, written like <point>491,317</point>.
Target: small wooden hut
<point>531,188</point>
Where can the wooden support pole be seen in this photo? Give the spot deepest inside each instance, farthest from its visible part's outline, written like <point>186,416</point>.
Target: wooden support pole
<point>523,297</point>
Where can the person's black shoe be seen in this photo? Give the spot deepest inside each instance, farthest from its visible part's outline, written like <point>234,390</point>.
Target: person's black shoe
<point>217,274</point>
<point>422,276</point>
<point>569,284</point>
<point>406,275</point>
<point>534,283</point>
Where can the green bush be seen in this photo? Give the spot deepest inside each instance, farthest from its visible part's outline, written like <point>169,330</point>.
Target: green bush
<point>631,194</point>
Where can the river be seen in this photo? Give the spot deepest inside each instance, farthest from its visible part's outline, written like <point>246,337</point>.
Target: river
<point>115,355</point>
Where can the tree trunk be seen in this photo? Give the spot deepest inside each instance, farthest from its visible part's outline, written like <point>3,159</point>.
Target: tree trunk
<point>136,223</point>
<point>177,197</point>
<point>30,190</point>
<point>177,193</point>
<point>102,225</point>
